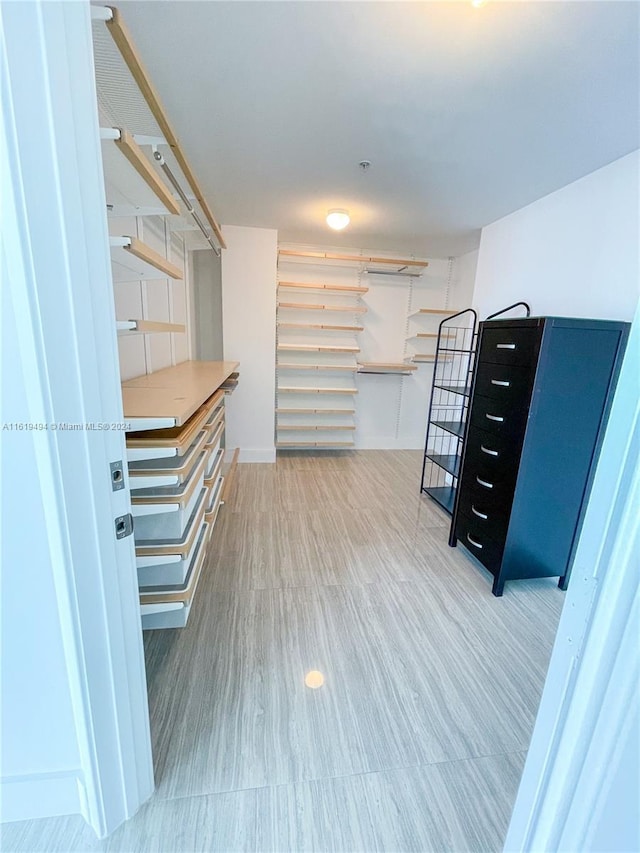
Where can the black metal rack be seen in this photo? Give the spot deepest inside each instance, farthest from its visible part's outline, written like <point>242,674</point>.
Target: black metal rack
<point>449,403</point>
<point>453,368</point>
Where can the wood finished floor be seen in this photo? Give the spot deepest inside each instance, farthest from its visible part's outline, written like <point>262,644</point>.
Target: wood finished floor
<point>417,738</point>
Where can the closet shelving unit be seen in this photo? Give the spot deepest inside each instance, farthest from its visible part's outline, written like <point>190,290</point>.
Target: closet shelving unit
<point>325,348</point>
<point>315,360</point>
<point>175,416</point>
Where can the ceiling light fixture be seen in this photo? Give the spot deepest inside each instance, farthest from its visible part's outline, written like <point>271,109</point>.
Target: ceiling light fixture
<point>478,3</point>
<point>338,219</point>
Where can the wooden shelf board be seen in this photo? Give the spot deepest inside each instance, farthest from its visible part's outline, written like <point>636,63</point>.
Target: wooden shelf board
<point>433,335</point>
<point>174,392</point>
<point>299,390</point>
<point>424,358</point>
<point>338,288</point>
<point>323,326</point>
<point>147,327</point>
<point>316,348</point>
<point>385,367</point>
<point>285,411</point>
<point>360,259</point>
<point>350,368</point>
<point>132,182</point>
<point>131,260</point>
<point>315,427</point>
<point>345,309</point>
<point>123,41</point>
<point>448,311</point>
<point>184,596</point>
<point>319,444</point>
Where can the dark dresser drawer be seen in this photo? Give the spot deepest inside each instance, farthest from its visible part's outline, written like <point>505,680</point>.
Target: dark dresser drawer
<point>508,382</point>
<point>510,345</point>
<point>490,512</point>
<point>474,537</point>
<point>498,451</point>
<point>498,416</point>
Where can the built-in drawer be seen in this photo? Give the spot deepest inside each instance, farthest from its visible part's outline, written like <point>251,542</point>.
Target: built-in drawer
<point>164,513</point>
<point>175,545</point>
<point>472,534</point>
<point>214,467</point>
<point>498,416</point>
<point>510,345</point>
<point>164,443</point>
<point>165,569</point>
<point>169,471</point>
<point>169,606</point>
<point>214,437</point>
<point>509,383</point>
<point>213,505</point>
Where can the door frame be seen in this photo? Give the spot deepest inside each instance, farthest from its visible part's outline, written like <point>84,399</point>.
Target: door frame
<point>56,246</point>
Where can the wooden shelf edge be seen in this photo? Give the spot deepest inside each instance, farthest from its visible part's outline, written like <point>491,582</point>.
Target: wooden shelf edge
<point>364,259</point>
<point>337,288</point>
<point>123,41</point>
<point>134,154</point>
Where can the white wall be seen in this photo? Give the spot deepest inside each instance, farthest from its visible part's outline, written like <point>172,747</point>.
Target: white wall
<point>249,321</point>
<point>206,281</point>
<point>162,299</point>
<point>463,280</point>
<point>572,253</point>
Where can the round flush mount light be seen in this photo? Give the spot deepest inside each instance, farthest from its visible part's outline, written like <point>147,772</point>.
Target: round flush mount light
<point>338,219</point>
<point>478,3</point>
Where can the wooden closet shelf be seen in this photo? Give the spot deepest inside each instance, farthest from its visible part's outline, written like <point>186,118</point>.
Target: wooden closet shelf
<point>433,335</point>
<point>132,182</point>
<point>183,596</point>
<point>359,259</point>
<point>315,427</point>
<point>423,358</point>
<point>345,309</point>
<point>350,368</point>
<point>173,393</point>
<point>448,311</point>
<point>323,326</point>
<point>301,390</point>
<point>123,41</point>
<point>292,444</point>
<point>147,326</point>
<point>385,367</point>
<point>344,288</point>
<point>316,411</point>
<point>131,260</point>
<point>316,348</point>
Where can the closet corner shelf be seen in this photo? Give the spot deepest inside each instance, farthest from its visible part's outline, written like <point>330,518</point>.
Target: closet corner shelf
<point>323,326</point>
<point>316,348</point>
<point>402,266</point>
<point>433,335</point>
<point>305,306</point>
<point>132,182</point>
<point>449,312</point>
<point>382,367</point>
<point>147,327</point>
<point>314,427</point>
<point>170,396</point>
<point>349,368</point>
<point>337,288</point>
<point>297,389</point>
<point>131,260</point>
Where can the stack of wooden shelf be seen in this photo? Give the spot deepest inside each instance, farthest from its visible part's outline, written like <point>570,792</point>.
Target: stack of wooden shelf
<point>427,340</point>
<point>317,362</point>
<point>175,456</point>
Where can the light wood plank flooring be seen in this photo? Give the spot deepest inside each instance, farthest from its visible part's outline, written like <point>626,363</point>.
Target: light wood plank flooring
<point>415,741</point>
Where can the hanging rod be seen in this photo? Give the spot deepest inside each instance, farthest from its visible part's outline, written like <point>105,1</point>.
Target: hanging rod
<point>157,156</point>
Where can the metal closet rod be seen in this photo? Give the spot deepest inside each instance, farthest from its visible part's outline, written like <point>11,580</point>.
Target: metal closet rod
<point>157,156</point>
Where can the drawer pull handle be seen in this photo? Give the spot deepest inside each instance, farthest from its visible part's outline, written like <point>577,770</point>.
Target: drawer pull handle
<point>482,515</point>
<point>494,418</point>
<point>489,451</point>
<point>484,483</point>
<point>505,346</point>
<point>473,542</point>
<point>501,382</point>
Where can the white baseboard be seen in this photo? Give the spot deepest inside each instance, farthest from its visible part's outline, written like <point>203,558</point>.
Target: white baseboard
<point>251,454</point>
<point>38,795</point>
<point>384,442</point>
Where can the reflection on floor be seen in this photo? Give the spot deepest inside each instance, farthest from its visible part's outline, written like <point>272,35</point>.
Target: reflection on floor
<point>423,686</point>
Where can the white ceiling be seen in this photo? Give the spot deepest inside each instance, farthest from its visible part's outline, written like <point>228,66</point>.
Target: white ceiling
<point>466,114</point>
